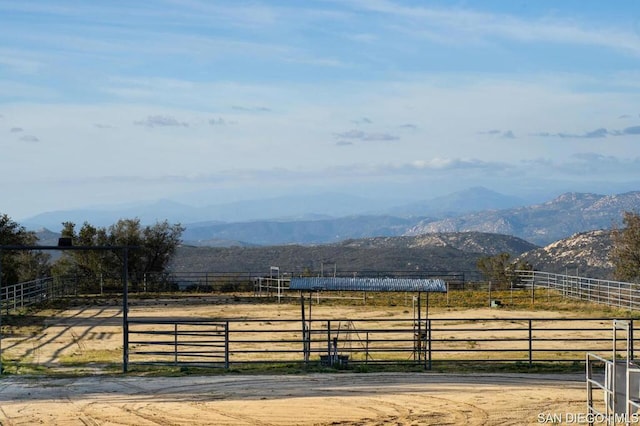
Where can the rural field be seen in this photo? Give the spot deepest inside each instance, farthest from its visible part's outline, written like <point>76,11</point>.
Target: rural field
<point>66,383</point>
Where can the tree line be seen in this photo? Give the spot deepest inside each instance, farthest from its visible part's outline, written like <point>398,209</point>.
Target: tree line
<point>150,251</point>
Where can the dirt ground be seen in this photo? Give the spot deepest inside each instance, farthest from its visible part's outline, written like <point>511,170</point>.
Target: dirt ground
<point>314,399</point>
<point>311,399</point>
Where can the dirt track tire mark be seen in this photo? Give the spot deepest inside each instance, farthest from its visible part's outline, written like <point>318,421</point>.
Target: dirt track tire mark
<point>413,413</point>
<point>145,412</point>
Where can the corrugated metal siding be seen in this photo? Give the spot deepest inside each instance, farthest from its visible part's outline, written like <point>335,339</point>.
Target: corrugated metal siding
<point>368,284</point>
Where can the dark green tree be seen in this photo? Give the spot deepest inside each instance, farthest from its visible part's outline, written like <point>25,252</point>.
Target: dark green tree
<point>152,248</point>
<point>625,253</point>
<point>499,269</point>
<point>20,265</point>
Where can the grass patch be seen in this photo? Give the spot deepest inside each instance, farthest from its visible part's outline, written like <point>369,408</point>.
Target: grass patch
<point>508,367</point>
<point>102,356</point>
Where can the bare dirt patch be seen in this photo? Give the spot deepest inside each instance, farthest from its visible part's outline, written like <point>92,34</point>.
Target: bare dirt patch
<point>314,399</point>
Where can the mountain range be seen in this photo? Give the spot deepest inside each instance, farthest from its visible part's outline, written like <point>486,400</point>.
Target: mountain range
<point>306,220</point>
<point>543,223</point>
<point>570,234</point>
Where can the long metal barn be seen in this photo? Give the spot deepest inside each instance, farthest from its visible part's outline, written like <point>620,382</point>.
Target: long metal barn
<point>415,285</point>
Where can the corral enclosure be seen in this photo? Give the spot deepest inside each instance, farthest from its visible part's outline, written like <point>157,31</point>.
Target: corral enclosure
<point>265,330</point>
<point>236,330</point>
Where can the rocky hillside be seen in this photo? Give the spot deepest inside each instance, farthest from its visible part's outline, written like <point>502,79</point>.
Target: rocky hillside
<point>437,252</point>
<point>544,223</point>
<point>584,254</point>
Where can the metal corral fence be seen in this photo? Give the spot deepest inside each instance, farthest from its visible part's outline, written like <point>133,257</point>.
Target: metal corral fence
<point>22,295</point>
<point>225,343</point>
<point>615,294</point>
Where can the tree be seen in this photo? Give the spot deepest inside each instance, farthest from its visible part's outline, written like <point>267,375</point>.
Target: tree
<point>499,270</point>
<point>625,253</point>
<point>20,265</point>
<point>152,248</point>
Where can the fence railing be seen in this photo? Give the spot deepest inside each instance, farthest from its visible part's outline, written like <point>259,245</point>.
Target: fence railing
<point>524,341</point>
<point>179,342</point>
<point>21,295</point>
<point>615,294</point>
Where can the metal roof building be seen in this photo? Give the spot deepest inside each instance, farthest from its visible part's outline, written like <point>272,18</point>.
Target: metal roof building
<point>368,284</point>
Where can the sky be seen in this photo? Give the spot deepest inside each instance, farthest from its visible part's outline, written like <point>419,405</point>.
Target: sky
<point>114,102</point>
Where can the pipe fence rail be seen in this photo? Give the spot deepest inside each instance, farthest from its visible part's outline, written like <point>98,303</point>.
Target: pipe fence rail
<point>616,294</point>
<point>337,342</point>
<point>28,293</point>
<point>179,342</point>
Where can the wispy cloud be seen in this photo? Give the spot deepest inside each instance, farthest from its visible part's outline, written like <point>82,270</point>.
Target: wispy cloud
<point>362,120</point>
<point>593,134</point>
<point>491,132</point>
<point>29,138</point>
<point>19,62</point>
<point>161,121</point>
<point>16,130</point>
<point>507,134</point>
<point>220,122</point>
<point>408,126</point>
<point>634,130</point>
<point>462,25</point>
<point>584,164</point>
<point>454,164</point>
<point>359,135</point>
<point>251,108</point>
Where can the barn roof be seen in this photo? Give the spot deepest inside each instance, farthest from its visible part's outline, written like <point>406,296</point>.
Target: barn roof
<point>368,284</point>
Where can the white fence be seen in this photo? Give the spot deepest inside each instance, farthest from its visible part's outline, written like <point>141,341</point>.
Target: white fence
<point>616,294</point>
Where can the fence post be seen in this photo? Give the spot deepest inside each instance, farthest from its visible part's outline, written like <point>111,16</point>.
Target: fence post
<point>175,344</point>
<point>631,338</point>
<point>533,291</point>
<point>226,345</point>
<point>305,352</point>
<point>530,344</point>
<point>489,293</point>
<point>429,343</point>
<point>366,350</point>
<point>447,293</point>
<point>511,292</point>
<point>329,341</point>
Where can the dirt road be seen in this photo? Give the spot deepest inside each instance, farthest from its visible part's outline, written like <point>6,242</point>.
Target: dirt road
<point>314,399</point>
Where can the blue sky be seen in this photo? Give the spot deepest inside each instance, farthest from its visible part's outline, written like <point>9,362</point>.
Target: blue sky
<point>110,102</point>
